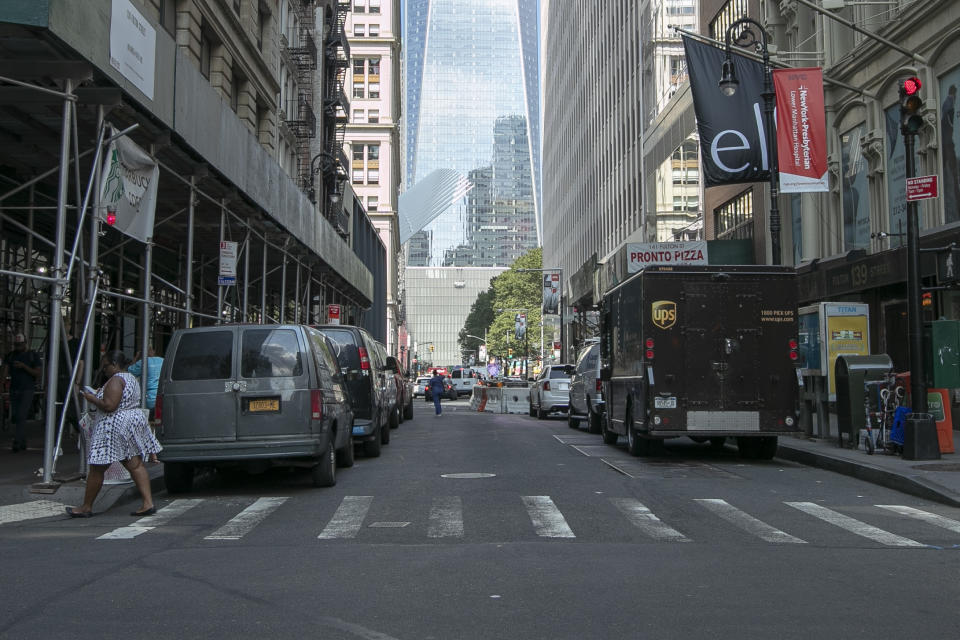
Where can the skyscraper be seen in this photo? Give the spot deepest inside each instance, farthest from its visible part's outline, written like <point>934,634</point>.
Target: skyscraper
<point>471,88</point>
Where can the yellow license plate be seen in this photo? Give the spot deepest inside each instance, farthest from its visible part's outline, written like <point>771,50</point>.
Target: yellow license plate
<point>266,404</point>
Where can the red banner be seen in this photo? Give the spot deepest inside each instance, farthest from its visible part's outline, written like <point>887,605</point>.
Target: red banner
<point>801,130</point>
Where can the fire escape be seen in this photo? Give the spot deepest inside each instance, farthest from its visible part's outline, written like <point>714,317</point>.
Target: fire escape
<point>298,111</point>
<point>336,110</point>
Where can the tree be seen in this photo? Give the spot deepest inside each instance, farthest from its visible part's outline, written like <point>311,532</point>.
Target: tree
<point>478,320</point>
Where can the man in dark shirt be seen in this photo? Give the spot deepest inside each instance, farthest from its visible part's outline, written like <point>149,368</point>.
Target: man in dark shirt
<point>24,368</point>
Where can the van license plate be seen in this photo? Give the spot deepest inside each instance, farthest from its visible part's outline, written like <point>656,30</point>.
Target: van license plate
<point>264,404</point>
<point>665,403</point>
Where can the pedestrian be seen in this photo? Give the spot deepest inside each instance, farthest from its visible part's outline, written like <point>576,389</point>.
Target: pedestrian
<point>436,390</point>
<point>153,380</point>
<point>24,368</point>
<point>120,433</point>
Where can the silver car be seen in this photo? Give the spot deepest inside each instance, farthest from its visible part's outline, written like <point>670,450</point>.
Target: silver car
<point>550,392</point>
<point>586,401</point>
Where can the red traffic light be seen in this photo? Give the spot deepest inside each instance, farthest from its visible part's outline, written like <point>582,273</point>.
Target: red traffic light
<point>111,217</point>
<point>927,299</point>
<point>911,86</point>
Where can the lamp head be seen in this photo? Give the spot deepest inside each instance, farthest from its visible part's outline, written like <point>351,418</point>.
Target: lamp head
<point>728,78</point>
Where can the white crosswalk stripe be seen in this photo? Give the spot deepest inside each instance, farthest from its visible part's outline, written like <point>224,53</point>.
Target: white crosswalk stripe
<point>446,518</point>
<point>546,518</point>
<point>853,525</point>
<point>747,522</point>
<point>242,523</point>
<point>644,519</point>
<point>143,525</point>
<point>924,516</point>
<point>348,519</point>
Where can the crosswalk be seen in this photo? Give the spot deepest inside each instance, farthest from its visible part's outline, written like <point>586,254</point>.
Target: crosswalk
<point>540,517</point>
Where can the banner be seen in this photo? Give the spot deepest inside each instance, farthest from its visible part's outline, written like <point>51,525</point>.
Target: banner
<point>551,293</point>
<point>129,188</point>
<point>645,254</point>
<point>801,130</point>
<point>733,140</point>
<point>520,326</point>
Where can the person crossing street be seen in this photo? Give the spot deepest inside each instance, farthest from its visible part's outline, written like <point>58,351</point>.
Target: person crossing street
<point>436,391</point>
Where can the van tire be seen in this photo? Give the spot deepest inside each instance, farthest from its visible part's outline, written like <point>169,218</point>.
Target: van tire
<point>371,447</point>
<point>757,448</point>
<point>385,432</point>
<point>609,437</point>
<point>345,454</point>
<point>532,412</point>
<point>636,445</point>
<point>596,422</point>
<point>573,423</point>
<point>408,410</point>
<point>325,473</point>
<point>177,477</point>
<point>395,419</point>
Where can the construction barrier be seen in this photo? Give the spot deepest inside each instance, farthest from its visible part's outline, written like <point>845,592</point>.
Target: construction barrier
<point>476,398</point>
<point>493,399</point>
<point>516,400</point>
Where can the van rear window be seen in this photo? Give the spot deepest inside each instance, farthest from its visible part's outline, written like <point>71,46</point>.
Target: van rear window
<point>270,353</point>
<point>558,372</point>
<point>345,345</point>
<point>205,355</point>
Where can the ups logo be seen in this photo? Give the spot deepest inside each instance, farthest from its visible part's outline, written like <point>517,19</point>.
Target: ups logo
<point>664,313</point>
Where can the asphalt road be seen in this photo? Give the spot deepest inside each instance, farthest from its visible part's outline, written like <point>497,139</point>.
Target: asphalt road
<point>561,537</point>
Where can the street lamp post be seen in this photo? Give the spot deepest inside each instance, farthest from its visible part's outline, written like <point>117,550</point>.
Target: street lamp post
<point>728,86</point>
<point>484,338</point>
<point>563,344</point>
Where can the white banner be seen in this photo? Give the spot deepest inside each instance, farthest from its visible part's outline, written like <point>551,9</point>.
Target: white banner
<point>129,188</point>
<point>551,293</point>
<point>645,254</point>
<point>133,46</point>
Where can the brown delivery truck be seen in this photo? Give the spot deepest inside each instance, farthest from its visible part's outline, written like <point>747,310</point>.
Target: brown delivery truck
<point>705,352</point>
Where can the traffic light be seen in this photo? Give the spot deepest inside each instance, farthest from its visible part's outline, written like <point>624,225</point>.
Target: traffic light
<point>431,348</point>
<point>927,299</point>
<point>510,351</point>
<point>111,217</point>
<point>910,105</point>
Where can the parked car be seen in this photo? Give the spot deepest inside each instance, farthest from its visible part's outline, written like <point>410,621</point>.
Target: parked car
<point>420,387</point>
<point>404,389</point>
<point>373,393</point>
<point>463,381</point>
<point>251,397</point>
<point>586,399</point>
<point>449,391</point>
<point>550,392</point>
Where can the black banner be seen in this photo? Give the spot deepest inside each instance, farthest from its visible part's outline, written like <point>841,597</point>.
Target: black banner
<point>733,140</point>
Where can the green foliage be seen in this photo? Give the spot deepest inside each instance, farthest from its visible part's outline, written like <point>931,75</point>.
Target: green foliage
<point>478,321</point>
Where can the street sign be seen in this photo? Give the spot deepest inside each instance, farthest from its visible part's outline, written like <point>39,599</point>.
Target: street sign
<point>921,187</point>
<point>228,264</point>
<point>333,314</point>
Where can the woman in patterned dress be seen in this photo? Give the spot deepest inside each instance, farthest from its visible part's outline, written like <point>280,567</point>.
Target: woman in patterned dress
<point>120,434</point>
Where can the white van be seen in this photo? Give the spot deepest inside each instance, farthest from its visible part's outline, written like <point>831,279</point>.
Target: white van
<point>463,381</point>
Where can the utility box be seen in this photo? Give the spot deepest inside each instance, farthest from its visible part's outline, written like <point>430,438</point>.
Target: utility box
<point>851,373</point>
<point>828,330</point>
<point>943,353</point>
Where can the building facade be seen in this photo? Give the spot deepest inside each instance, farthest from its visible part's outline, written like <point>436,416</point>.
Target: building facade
<point>471,87</point>
<point>372,141</point>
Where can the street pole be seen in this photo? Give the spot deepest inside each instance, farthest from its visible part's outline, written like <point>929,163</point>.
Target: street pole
<point>914,317</point>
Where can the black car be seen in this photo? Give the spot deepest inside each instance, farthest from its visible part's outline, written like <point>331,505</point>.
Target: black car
<point>370,382</point>
<point>449,390</point>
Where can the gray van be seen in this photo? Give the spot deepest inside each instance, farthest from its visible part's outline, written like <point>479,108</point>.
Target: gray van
<point>252,396</point>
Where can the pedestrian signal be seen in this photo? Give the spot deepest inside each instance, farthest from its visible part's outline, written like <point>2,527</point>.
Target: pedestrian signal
<point>927,299</point>
<point>911,104</point>
<point>111,217</point>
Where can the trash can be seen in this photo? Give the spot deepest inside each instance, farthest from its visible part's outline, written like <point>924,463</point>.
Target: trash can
<point>851,372</point>
<point>920,438</point>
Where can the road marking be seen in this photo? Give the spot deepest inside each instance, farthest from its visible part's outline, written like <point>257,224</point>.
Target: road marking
<point>546,518</point>
<point>163,516</point>
<point>348,519</point>
<point>925,516</point>
<point>747,522</point>
<point>854,526</point>
<point>30,511</point>
<point>242,523</point>
<point>644,519</point>
<point>446,518</point>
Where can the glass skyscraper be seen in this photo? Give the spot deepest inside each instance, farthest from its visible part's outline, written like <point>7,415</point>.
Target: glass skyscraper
<point>472,104</point>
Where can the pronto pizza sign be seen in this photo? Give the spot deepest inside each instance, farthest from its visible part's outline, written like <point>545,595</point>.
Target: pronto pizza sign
<point>646,254</point>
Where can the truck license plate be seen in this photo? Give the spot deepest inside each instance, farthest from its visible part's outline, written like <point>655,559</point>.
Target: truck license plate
<point>264,404</point>
<point>665,403</point>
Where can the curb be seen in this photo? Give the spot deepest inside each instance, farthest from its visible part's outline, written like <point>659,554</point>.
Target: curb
<point>912,485</point>
<point>109,497</point>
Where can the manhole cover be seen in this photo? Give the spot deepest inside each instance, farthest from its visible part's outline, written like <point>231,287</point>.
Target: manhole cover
<point>468,475</point>
<point>952,466</point>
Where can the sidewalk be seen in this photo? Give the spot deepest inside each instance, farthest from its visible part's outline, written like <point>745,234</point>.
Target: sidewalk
<point>20,471</point>
<point>935,480</point>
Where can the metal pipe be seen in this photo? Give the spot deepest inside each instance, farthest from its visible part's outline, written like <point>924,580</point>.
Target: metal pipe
<point>309,300</point>
<point>296,296</point>
<point>246,273</point>
<point>57,290</point>
<point>283,289</point>
<point>93,274</point>
<point>32,276</point>
<point>263,288</point>
<point>147,319</point>
<point>187,317</point>
<point>220,286</point>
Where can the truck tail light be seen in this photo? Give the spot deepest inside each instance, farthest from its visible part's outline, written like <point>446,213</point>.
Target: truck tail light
<point>794,345</point>
<point>649,345</point>
<point>364,359</point>
<point>599,385</point>
<point>158,409</point>
<point>316,404</point>
<point>546,385</point>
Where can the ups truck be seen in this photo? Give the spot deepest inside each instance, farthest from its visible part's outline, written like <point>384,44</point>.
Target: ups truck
<point>705,352</point>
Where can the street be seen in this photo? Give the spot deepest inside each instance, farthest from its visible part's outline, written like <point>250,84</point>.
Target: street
<point>550,534</point>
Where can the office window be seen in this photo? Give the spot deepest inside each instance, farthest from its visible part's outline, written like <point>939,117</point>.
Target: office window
<point>358,153</point>
<point>374,6</point>
<point>374,89</point>
<point>358,6</point>
<point>168,16</point>
<point>359,116</point>
<point>373,152</point>
<point>358,30</point>
<point>358,176</point>
<point>373,176</point>
<point>374,116</point>
<point>358,67</point>
<point>206,50</point>
<point>732,11</point>
<point>373,66</point>
<point>734,219</point>
<point>359,91</point>
<point>372,203</point>
<point>374,30</point>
